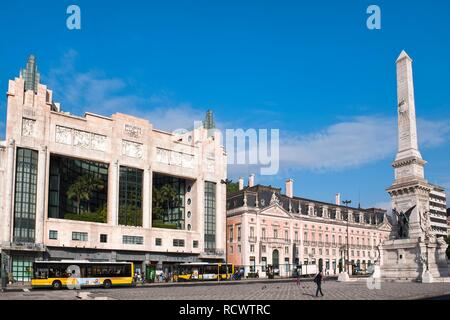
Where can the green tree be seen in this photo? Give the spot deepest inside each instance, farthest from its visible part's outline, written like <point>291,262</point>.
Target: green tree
<point>82,189</point>
<point>164,198</point>
<point>232,187</point>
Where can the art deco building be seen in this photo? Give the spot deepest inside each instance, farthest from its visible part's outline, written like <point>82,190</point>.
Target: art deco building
<point>268,228</point>
<point>105,188</point>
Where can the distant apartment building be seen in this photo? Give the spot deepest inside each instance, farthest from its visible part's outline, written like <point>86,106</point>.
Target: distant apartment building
<point>438,211</point>
<point>267,228</point>
<point>105,188</point>
<point>448,221</point>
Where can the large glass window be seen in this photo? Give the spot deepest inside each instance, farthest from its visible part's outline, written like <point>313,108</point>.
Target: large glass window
<point>22,268</point>
<point>78,189</point>
<point>210,215</point>
<point>25,195</point>
<point>133,240</point>
<point>168,197</point>
<point>130,197</point>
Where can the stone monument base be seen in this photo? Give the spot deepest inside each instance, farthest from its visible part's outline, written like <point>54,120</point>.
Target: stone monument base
<point>343,277</point>
<point>406,259</point>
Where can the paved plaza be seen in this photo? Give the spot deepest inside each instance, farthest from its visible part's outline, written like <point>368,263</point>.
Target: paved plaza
<point>333,290</point>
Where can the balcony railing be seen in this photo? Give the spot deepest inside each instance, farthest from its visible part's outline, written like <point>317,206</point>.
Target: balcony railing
<point>276,240</point>
<point>320,244</point>
<point>297,242</point>
<point>252,239</point>
<point>306,243</point>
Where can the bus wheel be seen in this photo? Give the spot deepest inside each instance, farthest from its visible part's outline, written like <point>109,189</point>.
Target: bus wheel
<point>56,285</point>
<point>107,284</point>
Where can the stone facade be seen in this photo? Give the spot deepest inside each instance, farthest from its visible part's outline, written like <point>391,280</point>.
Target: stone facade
<point>264,225</point>
<point>34,122</point>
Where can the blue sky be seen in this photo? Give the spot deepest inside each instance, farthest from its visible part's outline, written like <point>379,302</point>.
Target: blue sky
<point>314,71</point>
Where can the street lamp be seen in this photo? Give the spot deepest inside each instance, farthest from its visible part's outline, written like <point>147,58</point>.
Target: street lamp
<point>346,203</point>
<point>344,276</point>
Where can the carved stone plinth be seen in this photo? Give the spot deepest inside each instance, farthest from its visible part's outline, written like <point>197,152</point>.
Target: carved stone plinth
<point>407,259</point>
<point>343,277</point>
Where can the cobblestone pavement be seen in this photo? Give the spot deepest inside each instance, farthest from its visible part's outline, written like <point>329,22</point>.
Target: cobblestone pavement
<point>333,290</point>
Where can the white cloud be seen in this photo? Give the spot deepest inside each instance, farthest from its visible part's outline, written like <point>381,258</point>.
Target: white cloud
<point>343,145</point>
<point>353,143</point>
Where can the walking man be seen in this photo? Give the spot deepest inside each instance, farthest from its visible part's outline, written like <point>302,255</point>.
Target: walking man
<point>318,281</point>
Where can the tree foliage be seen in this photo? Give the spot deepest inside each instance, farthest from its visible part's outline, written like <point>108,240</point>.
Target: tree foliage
<point>83,188</point>
<point>164,198</point>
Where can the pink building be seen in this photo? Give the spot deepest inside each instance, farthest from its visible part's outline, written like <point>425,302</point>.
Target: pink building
<point>267,228</point>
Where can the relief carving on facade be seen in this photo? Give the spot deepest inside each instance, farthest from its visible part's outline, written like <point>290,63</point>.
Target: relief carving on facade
<point>81,139</point>
<point>28,127</point>
<point>210,165</point>
<point>174,158</point>
<point>63,135</point>
<point>162,155</point>
<point>132,149</point>
<point>133,131</point>
<point>98,142</point>
<point>188,161</point>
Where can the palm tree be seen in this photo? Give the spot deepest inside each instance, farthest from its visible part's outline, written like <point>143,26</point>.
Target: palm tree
<point>82,189</point>
<point>164,197</point>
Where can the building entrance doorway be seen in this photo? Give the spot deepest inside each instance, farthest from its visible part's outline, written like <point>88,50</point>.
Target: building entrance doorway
<point>276,259</point>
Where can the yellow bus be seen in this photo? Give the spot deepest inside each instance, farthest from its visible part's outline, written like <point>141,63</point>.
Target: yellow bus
<point>203,271</point>
<point>77,274</point>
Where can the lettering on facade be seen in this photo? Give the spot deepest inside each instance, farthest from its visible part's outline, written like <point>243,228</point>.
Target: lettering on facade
<point>81,139</point>
<point>132,149</point>
<point>174,158</point>
<point>133,131</point>
<point>29,112</point>
<point>28,127</point>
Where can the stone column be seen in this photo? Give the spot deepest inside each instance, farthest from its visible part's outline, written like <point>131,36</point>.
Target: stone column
<point>10,170</point>
<point>147,200</point>
<point>221,218</point>
<point>113,202</point>
<point>199,215</point>
<point>41,191</point>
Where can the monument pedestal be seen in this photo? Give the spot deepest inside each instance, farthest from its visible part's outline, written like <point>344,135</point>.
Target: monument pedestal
<point>406,259</point>
<point>343,277</point>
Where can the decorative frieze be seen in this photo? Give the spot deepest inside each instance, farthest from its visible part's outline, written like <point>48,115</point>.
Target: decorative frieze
<point>132,149</point>
<point>133,131</point>
<point>80,139</point>
<point>28,126</point>
<point>210,165</point>
<point>174,158</point>
<point>63,135</point>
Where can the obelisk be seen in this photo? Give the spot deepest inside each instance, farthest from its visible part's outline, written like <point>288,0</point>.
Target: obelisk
<point>410,187</point>
<point>415,254</point>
